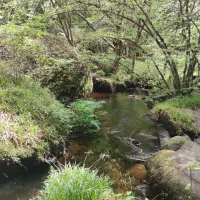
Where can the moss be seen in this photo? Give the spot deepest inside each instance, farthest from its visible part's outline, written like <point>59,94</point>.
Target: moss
<point>175,143</point>
<point>87,85</point>
<point>179,112</point>
<point>29,119</point>
<point>169,172</point>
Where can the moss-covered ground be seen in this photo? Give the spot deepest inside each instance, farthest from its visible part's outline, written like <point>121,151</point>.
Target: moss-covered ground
<point>181,111</point>
<point>31,119</point>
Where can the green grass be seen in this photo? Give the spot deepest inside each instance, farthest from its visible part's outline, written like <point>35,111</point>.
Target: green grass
<point>26,97</point>
<point>192,101</point>
<point>179,110</point>
<point>31,118</point>
<point>19,136</point>
<point>75,183</point>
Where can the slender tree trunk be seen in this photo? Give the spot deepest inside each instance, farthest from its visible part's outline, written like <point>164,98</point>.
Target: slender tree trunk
<point>133,65</point>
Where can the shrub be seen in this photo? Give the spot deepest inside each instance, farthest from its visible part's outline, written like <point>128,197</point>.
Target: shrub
<point>85,116</point>
<point>74,183</point>
<point>67,79</point>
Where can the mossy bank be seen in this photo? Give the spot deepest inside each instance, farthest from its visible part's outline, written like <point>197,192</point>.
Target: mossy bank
<point>32,120</point>
<point>180,114</point>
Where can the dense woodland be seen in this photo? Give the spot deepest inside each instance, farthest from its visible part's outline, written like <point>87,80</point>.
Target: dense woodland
<point>55,53</point>
<point>111,38</point>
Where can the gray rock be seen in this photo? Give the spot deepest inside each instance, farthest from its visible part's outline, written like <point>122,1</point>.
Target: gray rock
<point>141,158</point>
<point>169,171</point>
<point>163,135</point>
<point>149,136</point>
<point>175,143</point>
<point>191,150</point>
<point>197,140</point>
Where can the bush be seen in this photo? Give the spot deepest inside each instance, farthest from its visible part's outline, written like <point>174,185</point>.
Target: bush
<point>67,79</point>
<point>85,119</point>
<point>74,183</point>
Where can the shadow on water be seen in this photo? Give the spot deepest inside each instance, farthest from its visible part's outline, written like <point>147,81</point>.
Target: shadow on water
<point>25,186</point>
<point>114,147</point>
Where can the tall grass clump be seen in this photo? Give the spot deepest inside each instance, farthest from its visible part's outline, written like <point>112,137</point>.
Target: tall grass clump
<point>73,182</point>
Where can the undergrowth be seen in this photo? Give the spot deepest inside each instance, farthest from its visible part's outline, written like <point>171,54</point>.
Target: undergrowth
<point>31,118</point>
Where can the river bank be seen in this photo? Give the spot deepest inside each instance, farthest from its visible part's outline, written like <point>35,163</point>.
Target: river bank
<point>122,149</point>
<point>124,119</point>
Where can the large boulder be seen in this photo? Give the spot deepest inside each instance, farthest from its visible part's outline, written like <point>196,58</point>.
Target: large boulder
<point>170,172</point>
<point>175,143</point>
<point>192,150</point>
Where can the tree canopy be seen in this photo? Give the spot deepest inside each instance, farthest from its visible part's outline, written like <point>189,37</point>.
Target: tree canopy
<point>164,34</point>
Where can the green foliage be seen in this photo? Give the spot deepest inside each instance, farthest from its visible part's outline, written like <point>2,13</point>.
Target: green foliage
<point>85,116</point>
<point>177,110</point>
<point>157,96</point>
<point>31,117</point>
<point>101,73</point>
<point>27,53</point>
<point>67,79</point>
<point>26,97</point>
<point>192,101</point>
<point>74,183</point>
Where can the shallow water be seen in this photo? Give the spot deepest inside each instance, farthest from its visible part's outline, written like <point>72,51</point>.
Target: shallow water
<point>24,187</point>
<point>124,119</point>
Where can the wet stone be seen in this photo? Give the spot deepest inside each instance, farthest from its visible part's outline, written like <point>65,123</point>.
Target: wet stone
<point>138,171</point>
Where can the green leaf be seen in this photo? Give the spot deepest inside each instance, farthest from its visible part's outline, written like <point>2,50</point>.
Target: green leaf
<point>188,186</point>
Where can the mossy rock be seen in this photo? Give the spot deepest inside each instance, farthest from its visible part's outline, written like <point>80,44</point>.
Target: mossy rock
<point>170,173</point>
<point>175,143</point>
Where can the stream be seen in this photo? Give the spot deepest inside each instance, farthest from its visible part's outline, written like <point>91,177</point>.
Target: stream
<point>120,148</point>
